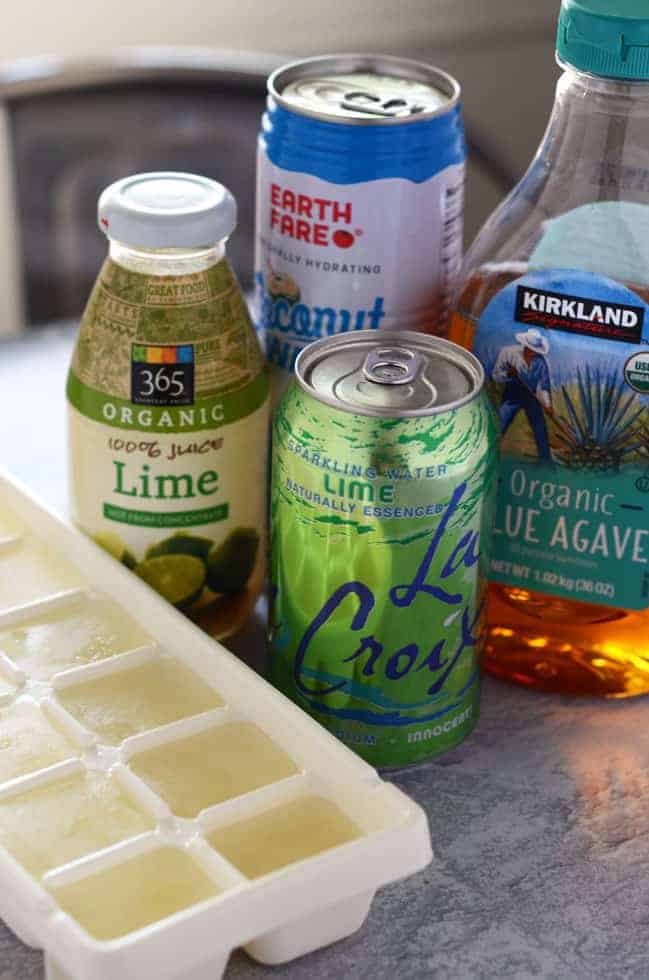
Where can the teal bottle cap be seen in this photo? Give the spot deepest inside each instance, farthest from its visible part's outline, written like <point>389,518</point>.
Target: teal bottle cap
<point>605,37</point>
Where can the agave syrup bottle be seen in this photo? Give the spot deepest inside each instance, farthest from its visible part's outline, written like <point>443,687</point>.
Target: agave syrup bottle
<point>554,299</point>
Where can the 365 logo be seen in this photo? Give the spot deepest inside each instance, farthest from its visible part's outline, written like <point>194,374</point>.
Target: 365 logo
<point>162,375</point>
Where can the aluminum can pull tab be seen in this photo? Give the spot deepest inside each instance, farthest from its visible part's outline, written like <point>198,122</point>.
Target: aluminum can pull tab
<point>392,366</point>
<point>374,105</point>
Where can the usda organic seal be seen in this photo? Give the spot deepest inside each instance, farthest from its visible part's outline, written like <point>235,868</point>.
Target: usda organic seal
<point>636,372</point>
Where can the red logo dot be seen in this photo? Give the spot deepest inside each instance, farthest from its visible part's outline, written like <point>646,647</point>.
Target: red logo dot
<point>343,239</point>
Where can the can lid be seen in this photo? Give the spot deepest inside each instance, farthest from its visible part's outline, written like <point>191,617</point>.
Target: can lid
<point>167,210</point>
<point>396,374</point>
<point>364,88</point>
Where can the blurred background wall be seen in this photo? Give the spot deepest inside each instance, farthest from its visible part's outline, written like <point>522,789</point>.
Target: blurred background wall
<point>72,26</point>
<point>501,51</point>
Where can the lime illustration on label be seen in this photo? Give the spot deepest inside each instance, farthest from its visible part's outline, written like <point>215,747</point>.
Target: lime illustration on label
<point>563,353</point>
<point>168,416</point>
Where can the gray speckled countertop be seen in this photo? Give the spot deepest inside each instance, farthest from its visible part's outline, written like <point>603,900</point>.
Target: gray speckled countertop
<point>540,821</point>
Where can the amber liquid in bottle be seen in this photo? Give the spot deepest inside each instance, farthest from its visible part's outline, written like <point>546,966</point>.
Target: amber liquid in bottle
<point>537,639</point>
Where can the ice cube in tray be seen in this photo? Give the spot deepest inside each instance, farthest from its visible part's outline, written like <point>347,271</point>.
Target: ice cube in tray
<point>135,699</point>
<point>52,823</point>
<point>30,740</point>
<point>144,889</point>
<point>86,629</point>
<point>287,833</point>
<point>10,525</point>
<point>29,571</point>
<point>212,766</point>
<point>7,683</point>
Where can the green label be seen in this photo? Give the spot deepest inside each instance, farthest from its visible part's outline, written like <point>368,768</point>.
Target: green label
<point>181,518</point>
<point>568,369</point>
<point>205,413</point>
<point>379,558</point>
<point>576,534</point>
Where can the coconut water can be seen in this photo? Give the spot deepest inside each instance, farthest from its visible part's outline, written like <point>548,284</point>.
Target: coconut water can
<point>554,300</point>
<point>360,183</point>
<point>168,402</point>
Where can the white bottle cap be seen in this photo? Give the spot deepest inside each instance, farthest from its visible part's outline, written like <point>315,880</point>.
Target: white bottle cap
<point>167,210</point>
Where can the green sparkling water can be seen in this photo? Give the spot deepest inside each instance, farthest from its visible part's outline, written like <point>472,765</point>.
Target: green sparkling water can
<point>383,489</point>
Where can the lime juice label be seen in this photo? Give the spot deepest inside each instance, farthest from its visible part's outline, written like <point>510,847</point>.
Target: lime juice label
<point>168,416</point>
<point>567,363</point>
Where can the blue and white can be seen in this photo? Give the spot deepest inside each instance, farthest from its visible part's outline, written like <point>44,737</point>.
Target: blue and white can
<point>360,193</point>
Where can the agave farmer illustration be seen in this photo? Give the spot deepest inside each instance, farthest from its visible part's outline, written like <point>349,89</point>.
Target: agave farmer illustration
<point>599,426</point>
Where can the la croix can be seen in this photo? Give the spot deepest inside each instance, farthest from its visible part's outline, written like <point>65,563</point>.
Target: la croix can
<point>360,187</point>
<point>382,501</point>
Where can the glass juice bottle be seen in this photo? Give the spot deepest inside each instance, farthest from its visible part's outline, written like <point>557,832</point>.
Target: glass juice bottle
<point>168,402</point>
<point>554,299</point>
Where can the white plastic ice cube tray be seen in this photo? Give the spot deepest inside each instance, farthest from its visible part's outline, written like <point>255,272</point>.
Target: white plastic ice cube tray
<point>276,917</point>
